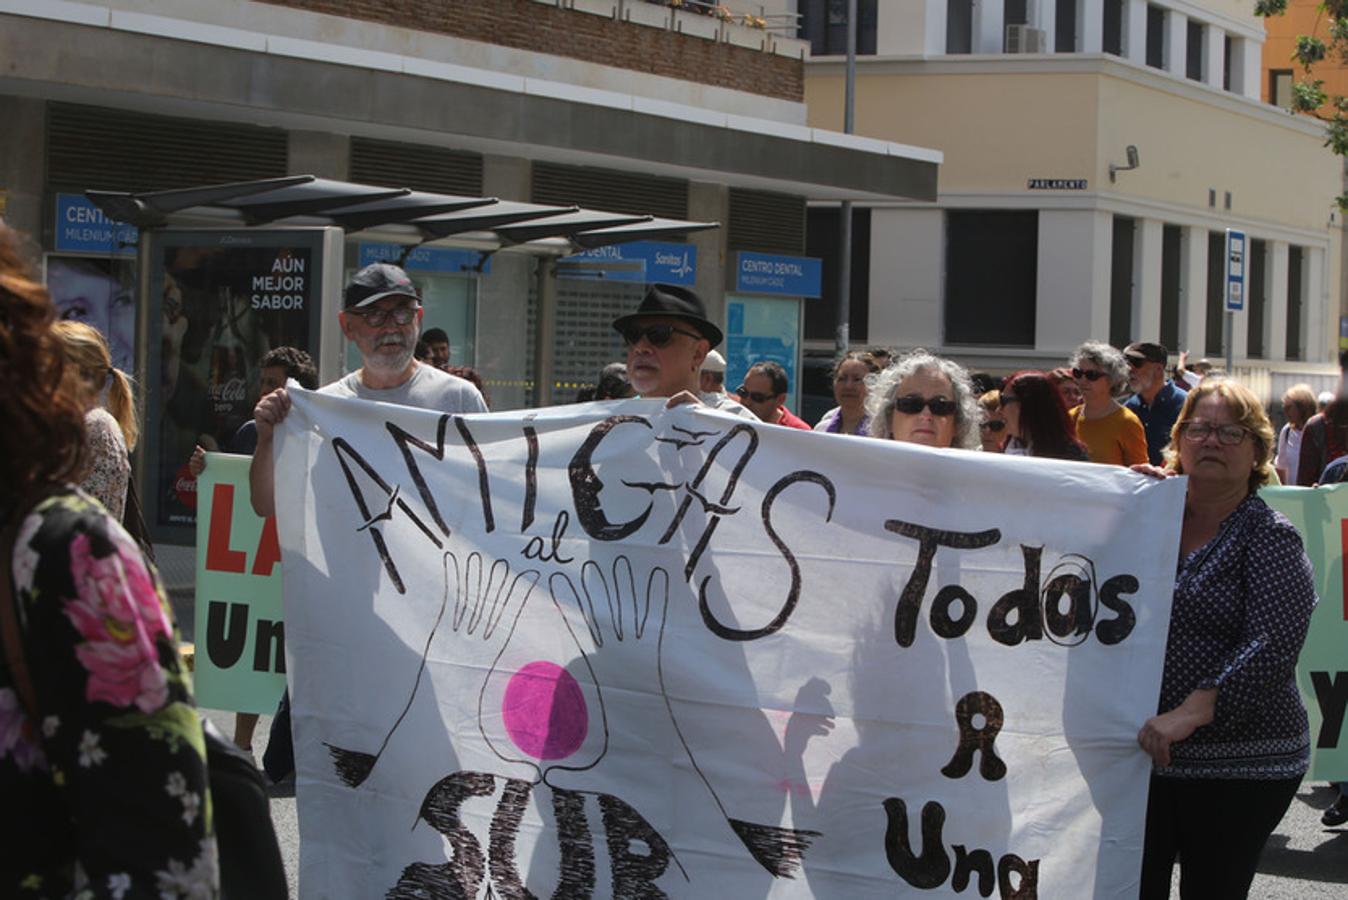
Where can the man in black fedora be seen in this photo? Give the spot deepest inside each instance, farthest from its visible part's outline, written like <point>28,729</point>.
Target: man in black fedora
<point>668,338</point>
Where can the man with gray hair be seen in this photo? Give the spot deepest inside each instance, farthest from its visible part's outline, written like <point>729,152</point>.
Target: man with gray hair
<point>382,317</point>
<point>1156,400</point>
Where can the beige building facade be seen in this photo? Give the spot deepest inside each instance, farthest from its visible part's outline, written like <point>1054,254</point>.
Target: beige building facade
<point>1040,237</point>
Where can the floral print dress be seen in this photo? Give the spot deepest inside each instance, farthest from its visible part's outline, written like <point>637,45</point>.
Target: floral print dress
<point>105,794</point>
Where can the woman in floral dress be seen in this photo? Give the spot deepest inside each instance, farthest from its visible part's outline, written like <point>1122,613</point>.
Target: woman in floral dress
<point>102,760</point>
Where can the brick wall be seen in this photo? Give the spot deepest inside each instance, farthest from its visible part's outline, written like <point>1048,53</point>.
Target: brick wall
<point>527,25</point>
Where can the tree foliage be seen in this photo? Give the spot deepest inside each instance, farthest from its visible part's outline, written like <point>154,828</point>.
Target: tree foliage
<point>1309,96</point>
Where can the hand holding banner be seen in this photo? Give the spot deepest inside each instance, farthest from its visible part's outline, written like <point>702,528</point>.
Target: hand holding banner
<point>619,650</point>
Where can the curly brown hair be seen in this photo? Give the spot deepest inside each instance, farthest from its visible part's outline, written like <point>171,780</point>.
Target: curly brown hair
<point>44,427</point>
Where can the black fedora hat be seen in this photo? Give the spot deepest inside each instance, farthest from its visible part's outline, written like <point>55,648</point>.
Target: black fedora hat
<point>673,302</point>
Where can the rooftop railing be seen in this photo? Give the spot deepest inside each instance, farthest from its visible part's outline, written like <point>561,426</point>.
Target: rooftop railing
<point>728,22</point>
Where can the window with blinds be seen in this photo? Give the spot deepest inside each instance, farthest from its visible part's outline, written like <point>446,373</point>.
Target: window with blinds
<point>611,191</point>
<point>416,166</point>
<point>90,147</point>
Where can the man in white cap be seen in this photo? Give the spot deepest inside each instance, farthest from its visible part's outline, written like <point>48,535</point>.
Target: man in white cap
<point>713,373</point>
<point>382,317</point>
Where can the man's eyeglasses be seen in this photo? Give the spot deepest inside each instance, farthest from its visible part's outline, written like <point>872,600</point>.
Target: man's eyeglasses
<point>1227,435</point>
<point>1136,361</point>
<point>994,425</point>
<point>658,335</point>
<point>755,395</point>
<point>1088,374</point>
<point>377,318</point>
<point>912,404</point>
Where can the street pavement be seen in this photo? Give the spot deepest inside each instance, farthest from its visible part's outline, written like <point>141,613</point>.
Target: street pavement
<point>1303,860</point>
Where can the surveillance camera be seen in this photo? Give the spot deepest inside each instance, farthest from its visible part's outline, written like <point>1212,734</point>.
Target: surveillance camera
<point>1132,156</point>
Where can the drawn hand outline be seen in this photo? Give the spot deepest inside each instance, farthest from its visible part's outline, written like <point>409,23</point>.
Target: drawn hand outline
<point>479,613</point>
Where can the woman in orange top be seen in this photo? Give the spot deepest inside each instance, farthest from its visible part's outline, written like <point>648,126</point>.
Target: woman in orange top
<point>1111,433</point>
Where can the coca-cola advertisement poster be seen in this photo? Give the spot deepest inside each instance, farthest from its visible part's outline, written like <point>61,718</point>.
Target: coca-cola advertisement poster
<point>222,301</point>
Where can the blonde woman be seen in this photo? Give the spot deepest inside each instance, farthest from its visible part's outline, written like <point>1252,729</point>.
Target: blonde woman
<point>1298,404</point>
<point>1231,740</point>
<point>110,431</point>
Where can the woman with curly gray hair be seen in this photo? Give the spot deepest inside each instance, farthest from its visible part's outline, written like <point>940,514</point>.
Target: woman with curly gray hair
<point>924,399</point>
<point>1111,432</point>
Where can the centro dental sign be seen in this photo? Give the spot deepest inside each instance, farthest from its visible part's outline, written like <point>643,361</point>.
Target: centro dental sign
<point>81,227</point>
<point>789,276</point>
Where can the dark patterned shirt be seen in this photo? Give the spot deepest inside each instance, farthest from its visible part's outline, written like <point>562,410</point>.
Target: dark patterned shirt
<point>1242,605</point>
<point>104,790</point>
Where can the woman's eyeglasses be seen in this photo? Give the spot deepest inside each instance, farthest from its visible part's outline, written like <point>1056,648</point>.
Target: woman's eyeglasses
<point>377,318</point>
<point>912,404</point>
<point>1006,400</point>
<point>1228,435</point>
<point>658,335</point>
<point>1088,374</point>
<point>994,425</point>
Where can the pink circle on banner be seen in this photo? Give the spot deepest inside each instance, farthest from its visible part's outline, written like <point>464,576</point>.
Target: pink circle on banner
<point>544,711</point>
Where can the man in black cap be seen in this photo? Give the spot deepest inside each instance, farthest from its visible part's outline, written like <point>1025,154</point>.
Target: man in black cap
<point>668,338</point>
<point>382,317</point>
<point>1156,399</point>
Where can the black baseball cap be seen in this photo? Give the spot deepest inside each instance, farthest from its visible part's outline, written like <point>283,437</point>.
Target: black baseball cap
<point>1147,351</point>
<point>377,281</point>
<point>676,303</point>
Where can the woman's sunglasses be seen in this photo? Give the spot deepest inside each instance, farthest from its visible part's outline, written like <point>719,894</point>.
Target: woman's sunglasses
<point>912,404</point>
<point>1088,374</point>
<point>994,425</point>
<point>658,335</point>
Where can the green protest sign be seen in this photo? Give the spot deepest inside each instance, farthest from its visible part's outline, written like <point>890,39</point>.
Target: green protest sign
<point>240,640</point>
<point>1321,515</point>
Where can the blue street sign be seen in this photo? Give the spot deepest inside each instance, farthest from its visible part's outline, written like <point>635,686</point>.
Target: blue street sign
<point>1235,270</point>
<point>639,262</point>
<point>785,276</point>
<point>445,260</point>
<point>81,227</point>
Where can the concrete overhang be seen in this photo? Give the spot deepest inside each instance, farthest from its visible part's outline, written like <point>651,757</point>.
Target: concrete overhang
<point>85,53</point>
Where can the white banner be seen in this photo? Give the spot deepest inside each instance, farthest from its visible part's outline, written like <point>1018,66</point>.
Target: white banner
<point>617,650</point>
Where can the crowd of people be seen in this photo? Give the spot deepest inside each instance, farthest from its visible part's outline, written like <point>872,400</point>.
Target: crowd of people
<point>92,731</point>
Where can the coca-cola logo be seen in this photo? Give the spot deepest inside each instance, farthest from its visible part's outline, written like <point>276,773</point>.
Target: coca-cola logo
<point>231,391</point>
<point>227,396</point>
<point>185,487</point>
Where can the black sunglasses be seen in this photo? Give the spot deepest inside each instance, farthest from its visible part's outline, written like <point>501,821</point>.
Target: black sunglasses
<point>994,425</point>
<point>658,335</point>
<point>1089,375</point>
<point>755,395</point>
<point>912,404</point>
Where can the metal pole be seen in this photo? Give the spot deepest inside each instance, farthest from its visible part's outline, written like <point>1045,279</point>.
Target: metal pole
<point>842,338</point>
<point>545,330</point>
<point>1228,341</point>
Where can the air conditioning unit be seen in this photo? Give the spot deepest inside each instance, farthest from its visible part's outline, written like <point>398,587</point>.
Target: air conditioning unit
<point>1024,39</point>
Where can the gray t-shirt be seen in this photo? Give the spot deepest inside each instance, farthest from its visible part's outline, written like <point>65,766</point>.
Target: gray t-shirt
<point>428,388</point>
